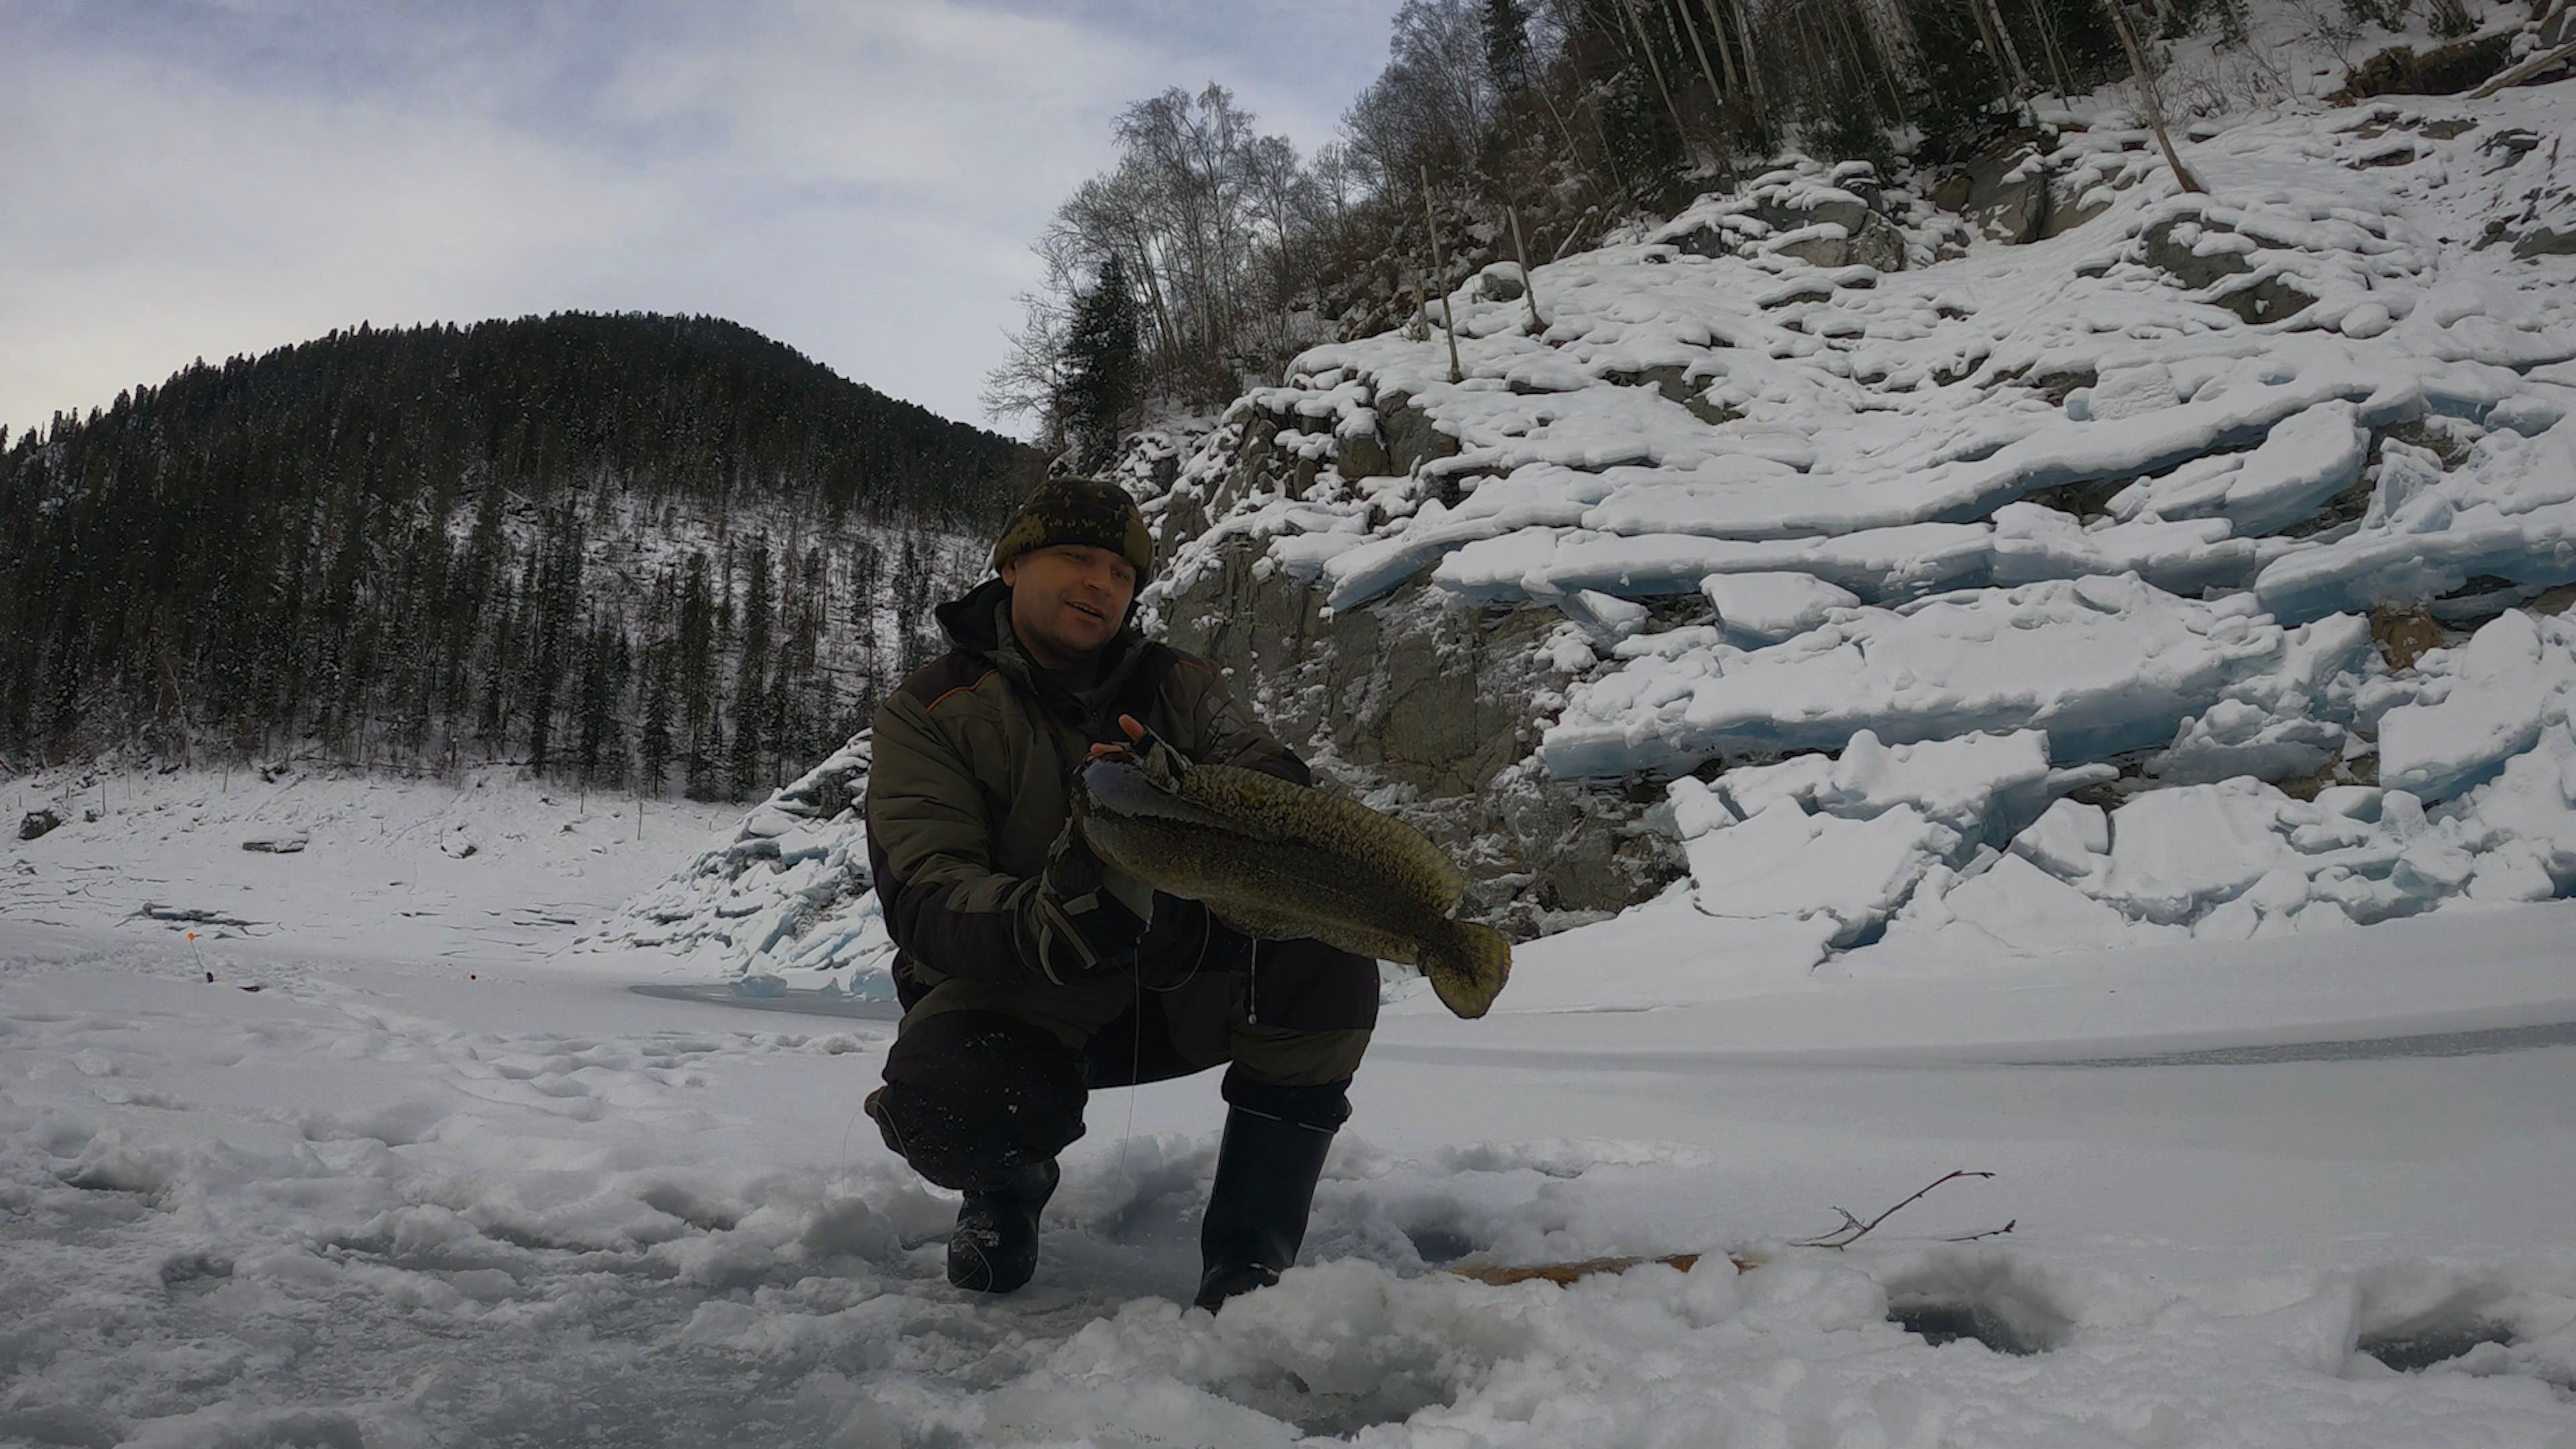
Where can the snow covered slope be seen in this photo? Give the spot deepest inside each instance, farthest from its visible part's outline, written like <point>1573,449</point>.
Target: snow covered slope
<point>481,869</point>
<point>2095,561</point>
<point>784,901</point>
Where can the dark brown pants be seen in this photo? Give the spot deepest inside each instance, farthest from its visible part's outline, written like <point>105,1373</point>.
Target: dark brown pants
<point>984,1079</point>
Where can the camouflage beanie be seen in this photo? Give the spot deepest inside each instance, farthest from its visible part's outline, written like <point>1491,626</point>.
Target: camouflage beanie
<point>1088,511</point>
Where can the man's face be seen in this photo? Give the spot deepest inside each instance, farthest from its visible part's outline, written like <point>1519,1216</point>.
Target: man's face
<point>1068,600</point>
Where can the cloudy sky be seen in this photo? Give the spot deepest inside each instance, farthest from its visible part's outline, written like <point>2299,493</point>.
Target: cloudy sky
<point>858,179</point>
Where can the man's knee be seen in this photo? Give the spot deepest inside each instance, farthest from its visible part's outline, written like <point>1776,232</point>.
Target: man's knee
<point>972,1096</point>
<point>1324,1106</point>
<point>1284,1057</point>
<point>1309,986</point>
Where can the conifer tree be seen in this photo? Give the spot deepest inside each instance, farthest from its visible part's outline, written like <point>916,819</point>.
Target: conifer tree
<point>750,702</point>
<point>654,745</point>
<point>1507,54</point>
<point>1103,367</point>
<point>696,668</point>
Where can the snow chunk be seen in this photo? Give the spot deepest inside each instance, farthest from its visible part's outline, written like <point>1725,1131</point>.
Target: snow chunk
<point>2034,543</point>
<point>2304,460</point>
<point>1978,785</point>
<point>2512,679</point>
<point>2510,511</point>
<point>1786,862</point>
<point>1881,564</point>
<point>2102,664</point>
<point>1961,783</point>
<point>2070,840</point>
<point>1765,608</point>
<point>2176,852</point>
<point>2028,910</point>
<point>788,895</point>
<point>2236,737</point>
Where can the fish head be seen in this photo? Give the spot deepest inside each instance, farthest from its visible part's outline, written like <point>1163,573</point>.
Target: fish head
<point>1118,784</point>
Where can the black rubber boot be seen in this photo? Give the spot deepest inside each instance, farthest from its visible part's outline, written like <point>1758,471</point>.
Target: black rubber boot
<point>1256,1214</point>
<point>994,1248</point>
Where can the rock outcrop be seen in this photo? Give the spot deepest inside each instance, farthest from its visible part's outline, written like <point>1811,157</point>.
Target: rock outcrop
<point>1423,705</point>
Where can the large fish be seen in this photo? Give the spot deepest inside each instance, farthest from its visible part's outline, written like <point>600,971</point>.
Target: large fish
<point>1280,861</point>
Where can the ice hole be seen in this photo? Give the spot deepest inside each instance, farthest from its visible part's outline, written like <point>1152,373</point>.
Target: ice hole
<point>2417,1347</point>
<point>1939,1321</point>
<point>1441,1242</point>
<point>2416,1314</point>
<point>1987,1300</point>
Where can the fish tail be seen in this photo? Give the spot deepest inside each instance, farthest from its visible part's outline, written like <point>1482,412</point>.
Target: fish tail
<point>1468,965</point>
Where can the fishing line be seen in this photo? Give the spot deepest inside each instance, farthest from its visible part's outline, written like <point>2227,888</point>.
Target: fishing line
<point>1135,1069</point>
<point>1136,1063</point>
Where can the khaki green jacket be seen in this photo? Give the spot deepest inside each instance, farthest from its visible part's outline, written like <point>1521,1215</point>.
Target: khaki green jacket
<point>973,754</point>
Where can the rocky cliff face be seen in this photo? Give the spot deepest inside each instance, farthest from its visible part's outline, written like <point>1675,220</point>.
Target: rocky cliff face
<point>1428,707</point>
<point>1420,701</point>
<point>1819,461</point>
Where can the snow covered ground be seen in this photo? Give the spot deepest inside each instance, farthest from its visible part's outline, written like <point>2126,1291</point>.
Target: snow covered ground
<point>2001,633</point>
<point>443,1182</point>
<point>477,867</point>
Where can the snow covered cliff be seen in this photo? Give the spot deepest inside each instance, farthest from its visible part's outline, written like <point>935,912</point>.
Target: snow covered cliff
<point>1830,568</point>
<point>2195,570</point>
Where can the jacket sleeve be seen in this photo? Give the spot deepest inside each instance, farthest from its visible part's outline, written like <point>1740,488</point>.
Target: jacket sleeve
<point>930,848</point>
<point>1217,730</point>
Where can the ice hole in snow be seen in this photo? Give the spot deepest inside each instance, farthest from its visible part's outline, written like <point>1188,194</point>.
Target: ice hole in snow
<point>2416,1315</point>
<point>1441,1242</point>
<point>2418,1347</point>
<point>1985,1298</point>
<point>1938,1322</point>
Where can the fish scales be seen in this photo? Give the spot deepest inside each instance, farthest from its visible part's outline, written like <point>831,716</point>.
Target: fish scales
<point>1342,827</point>
<point>1281,861</point>
<point>1202,864</point>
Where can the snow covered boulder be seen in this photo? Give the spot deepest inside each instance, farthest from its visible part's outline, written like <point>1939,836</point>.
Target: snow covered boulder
<point>2237,738</point>
<point>1847,840</point>
<point>1982,787</point>
<point>1825,219</point>
<point>2102,665</point>
<point>2491,700</point>
<point>2304,460</point>
<point>787,895</point>
<point>1764,608</point>
<point>2508,512</point>
<point>2201,246</point>
<point>1845,874</point>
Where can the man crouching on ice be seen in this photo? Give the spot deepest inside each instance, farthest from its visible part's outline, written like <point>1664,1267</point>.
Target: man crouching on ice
<point>1024,982</point>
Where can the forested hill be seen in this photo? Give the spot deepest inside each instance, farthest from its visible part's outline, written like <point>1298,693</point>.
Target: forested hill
<point>645,551</point>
